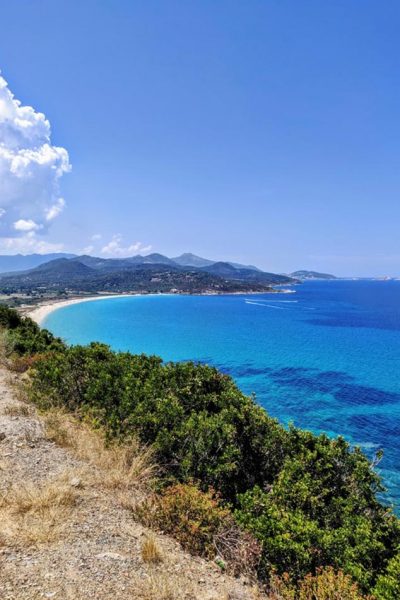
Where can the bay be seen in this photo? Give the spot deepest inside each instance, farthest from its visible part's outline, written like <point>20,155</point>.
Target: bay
<point>325,358</point>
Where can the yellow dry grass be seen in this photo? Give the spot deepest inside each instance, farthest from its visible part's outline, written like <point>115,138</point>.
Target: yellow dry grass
<point>33,498</point>
<point>163,586</point>
<point>150,550</point>
<point>121,467</point>
<point>33,530</point>
<point>33,514</point>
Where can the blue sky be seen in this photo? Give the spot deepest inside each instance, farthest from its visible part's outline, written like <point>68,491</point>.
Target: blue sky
<point>265,132</point>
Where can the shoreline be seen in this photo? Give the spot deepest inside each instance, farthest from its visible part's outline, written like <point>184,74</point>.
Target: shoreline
<point>42,310</point>
<point>39,312</point>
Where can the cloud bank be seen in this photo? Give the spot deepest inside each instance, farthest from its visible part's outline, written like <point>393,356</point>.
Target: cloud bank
<point>115,248</point>
<point>30,171</point>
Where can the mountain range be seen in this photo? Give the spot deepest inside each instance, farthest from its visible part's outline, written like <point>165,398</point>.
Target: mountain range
<point>152,273</point>
<point>37,274</point>
<point>21,262</point>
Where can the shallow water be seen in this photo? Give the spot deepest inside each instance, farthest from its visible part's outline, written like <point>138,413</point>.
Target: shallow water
<point>326,358</point>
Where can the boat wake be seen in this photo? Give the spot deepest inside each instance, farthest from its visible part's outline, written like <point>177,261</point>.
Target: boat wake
<point>266,305</point>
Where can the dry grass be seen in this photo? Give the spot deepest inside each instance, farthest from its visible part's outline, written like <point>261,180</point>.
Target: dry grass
<point>150,551</point>
<point>59,430</point>
<point>163,586</point>
<point>33,514</point>
<point>29,497</point>
<point>18,410</point>
<point>33,530</point>
<point>124,467</point>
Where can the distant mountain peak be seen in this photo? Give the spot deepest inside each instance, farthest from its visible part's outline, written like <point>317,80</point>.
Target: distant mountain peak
<point>187,259</point>
<point>155,257</point>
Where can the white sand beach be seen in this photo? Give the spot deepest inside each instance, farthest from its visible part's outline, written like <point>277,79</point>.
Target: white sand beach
<point>39,312</point>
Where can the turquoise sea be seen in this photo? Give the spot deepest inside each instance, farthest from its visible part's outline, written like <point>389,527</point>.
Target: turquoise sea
<point>326,357</point>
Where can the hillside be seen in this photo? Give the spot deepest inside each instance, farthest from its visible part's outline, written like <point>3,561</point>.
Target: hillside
<point>136,274</point>
<point>59,269</point>
<point>142,278</point>
<point>227,270</point>
<point>187,259</point>
<point>66,525</point>
<point>191,260</point>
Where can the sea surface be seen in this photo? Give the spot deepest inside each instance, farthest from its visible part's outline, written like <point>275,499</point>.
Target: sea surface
<point>326,357</point>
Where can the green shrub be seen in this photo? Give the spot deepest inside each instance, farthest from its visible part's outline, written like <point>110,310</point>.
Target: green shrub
<point>24,336</point>
<point>321,510</point>
<point>388,584</point>
<point>201,426</point>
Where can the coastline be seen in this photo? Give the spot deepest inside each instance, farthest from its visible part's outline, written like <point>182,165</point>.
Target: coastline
<point>39,312</point>
<point>42,310</point>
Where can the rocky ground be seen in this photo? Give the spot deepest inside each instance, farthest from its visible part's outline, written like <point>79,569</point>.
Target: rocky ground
<point>65,536</point>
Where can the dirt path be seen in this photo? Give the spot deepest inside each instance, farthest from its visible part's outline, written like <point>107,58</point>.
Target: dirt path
<point>76,541</point>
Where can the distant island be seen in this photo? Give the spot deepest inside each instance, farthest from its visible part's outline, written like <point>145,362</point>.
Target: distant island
<point>304,275</point>
<point>64,276</point>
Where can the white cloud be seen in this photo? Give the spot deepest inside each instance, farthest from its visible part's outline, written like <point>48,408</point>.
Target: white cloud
<point>116,249</point>
<point>26,225</point>
<point>86,250</point>
<point>28,244</point>
<point>96,237</point>
<point>53,212</point>
<point>30,169</point>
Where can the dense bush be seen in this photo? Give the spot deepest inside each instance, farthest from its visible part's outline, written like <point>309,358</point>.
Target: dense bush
<point>24,336</point>
<point>310,501</point>
<point>321,510</point>
<point>388,584</point>
<point>202,427</point>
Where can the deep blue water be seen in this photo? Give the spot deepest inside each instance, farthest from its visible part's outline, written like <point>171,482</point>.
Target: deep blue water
<point>326,357</point>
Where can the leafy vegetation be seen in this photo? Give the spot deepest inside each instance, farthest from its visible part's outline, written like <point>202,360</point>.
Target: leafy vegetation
<point>201,426</point>
<point>24,336</point>
<point>310,502</point>
<point>388,584</point>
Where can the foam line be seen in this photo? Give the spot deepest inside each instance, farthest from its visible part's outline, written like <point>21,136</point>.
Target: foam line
<point>267,305</point>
